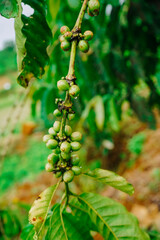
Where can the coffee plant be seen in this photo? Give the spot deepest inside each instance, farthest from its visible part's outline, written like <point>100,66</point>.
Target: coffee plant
<point>75,216</point>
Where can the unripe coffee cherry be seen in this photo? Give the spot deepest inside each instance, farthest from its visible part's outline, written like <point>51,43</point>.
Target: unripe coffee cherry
<point>68,36</point>
<point>65,45</point>
<point>88,35</point>
<point>94,7</point>
<point>68,130</point>
<point>65,156</point>
<point>64,29</point>
<point>89,12</point>
<point>53,158</point>
<point>74,91</point>
<point>70,116</point>
<point>65,147</point>
<point>75,159</point>
<point>68,176</point>
<point>75,146</point>
<point>57,113</point>
<point>46,138</point>
<point>76,170</point>
<point>61,38</point>
<point>52,131</point>
<point>62,85</point>
<point>58,174</point>
<point>49,167</point>
<point>51,144</point>
<point>76,136</point>
<point>57,126</point>
<point>56,151</point>
<point>83,46</point>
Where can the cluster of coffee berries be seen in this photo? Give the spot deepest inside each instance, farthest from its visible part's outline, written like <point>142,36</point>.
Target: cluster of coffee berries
<point>83,43</point>
<point>82,39</point>
<point>69,86</point>
<point>63,161</point>
<point>93,8</point>
<point>65,38</point>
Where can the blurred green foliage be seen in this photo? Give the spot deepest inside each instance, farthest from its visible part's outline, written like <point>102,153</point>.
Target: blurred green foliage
<point>135,144</point>
<point>122,64</point>
<point>8,63</point>
<point>17,168</point>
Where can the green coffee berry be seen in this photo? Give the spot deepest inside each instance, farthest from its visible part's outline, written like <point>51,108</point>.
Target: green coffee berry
<point>89,12</point>
<point>58,174</point>
<point>68,36</point>
<point>65,45</point>
<point>88,35</point>
<point>76,136</point>
<point>53,158</point>
<point>63,85</point>
<point>68,176</point>
<point>66,156</point>
<point>57,126</point>
<point>76,170</point>
<point>56,151</point>
<point>61,38</point>
<point>68,130</point>
<point>83,46</point>
<point>51,144</point>
<point>64,29</point>
<point>74,91</point>
<point>94,7</point>
<point>65,147</point>
<point>49,167</point>
<point>57,113</point>
<point>52,131</point>
<point>46,138</point>
<point>75,146</point>
<point>75,159</point>
<point>70,116</point>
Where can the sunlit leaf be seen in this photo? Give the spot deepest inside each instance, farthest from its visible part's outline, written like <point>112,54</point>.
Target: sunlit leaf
<point>39,210</point>
<point>112,179</point>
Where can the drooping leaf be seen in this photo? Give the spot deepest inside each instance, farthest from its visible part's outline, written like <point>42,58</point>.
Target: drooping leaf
<point>32,38</point>
<point>111,218</point>
<point>95,103</point>
<point>53,7</point>
<point>99,112</point>
<point>113,116</point>
<point>112,179</point>
<point>65,226</point>
<point>9,8</point>
<point>39,210</point>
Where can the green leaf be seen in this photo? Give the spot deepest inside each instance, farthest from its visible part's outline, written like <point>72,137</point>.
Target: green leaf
<point>111,218</point>
<point>9,8</point>
<point>99,112</point>
<point>32,39</point>
<point>65,226</point>
<point>53,8</point>
<point>111,179</point>
<point>28,232</point>
<point>40,208</point>
<point>95,103</point>
<point>113,115</point>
